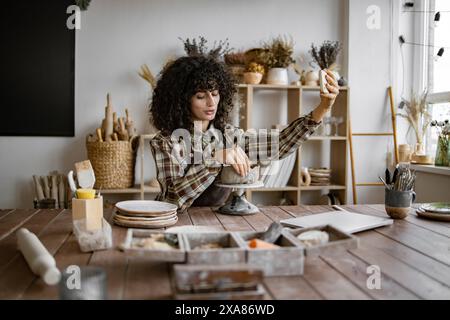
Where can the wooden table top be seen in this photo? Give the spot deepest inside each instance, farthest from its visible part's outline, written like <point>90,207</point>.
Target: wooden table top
<point>413,255</point>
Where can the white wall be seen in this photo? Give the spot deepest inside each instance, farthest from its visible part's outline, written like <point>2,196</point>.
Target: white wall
<point>116,37</point>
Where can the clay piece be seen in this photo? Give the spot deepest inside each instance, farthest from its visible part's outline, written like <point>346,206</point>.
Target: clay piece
<point>313,238</point>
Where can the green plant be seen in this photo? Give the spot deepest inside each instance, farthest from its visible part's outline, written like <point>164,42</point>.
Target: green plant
<point>326,56</point>
<point>200,48</point>
<point>255,67</point>
<point>278,52</point>
<point>417,114</point>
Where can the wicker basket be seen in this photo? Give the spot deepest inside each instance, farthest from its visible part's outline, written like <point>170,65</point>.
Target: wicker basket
<point>113,163</point>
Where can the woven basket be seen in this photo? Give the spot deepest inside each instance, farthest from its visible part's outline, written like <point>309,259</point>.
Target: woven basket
<point>113,163</point>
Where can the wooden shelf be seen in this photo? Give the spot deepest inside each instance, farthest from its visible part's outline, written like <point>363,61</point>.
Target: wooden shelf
<point>329,138</point>
<point>287,188</point>
<point>277,86</point>
<point>330,187</point>
<point>338,146</point>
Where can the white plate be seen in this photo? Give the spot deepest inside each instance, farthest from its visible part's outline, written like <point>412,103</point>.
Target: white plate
<point>146,206</point>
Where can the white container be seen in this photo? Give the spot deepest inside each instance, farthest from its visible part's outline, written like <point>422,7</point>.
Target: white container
<point>277,76</point>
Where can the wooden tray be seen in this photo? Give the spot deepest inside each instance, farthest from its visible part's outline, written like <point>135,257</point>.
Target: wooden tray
<point>287,260</point>
<point>176,255</point>
<point>231,253</point>
<point>217,282</point>
<point>338,240</point>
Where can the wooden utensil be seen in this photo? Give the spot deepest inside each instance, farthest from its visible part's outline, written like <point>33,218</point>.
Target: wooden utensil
<point>108,119</point>
<point>85,174</point>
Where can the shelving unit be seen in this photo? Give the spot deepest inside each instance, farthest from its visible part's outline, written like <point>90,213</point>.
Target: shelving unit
<point>338,144</point>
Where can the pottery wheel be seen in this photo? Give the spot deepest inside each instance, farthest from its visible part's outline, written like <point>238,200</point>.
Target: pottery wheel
<point>237,204</point>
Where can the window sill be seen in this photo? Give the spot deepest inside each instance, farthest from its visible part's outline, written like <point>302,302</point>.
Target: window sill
<point>431,169</point>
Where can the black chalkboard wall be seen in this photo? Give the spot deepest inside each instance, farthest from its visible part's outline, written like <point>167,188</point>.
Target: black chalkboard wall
<point>37,69</point>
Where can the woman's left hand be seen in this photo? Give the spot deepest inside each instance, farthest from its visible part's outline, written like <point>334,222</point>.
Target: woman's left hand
<point>327,99</point>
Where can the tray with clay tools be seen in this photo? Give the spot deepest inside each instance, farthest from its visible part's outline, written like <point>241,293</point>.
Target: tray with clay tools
<point>335,240</point>
<point>219,248</point>
<point>157,245</point>
<point>286,258</point>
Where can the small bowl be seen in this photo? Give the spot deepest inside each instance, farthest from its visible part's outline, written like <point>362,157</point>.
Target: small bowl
<point>229,176</point>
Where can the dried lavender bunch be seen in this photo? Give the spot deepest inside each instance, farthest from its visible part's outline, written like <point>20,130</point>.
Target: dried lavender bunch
<point>200,48</point>
<point>327,54</point>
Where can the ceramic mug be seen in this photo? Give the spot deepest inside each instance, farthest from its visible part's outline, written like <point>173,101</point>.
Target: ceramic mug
<point>398,203</point>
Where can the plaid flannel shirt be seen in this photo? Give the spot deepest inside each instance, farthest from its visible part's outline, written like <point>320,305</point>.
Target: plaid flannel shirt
<point>183,178</point>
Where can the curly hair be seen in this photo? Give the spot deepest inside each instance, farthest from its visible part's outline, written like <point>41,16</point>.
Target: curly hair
<point>179,81</point>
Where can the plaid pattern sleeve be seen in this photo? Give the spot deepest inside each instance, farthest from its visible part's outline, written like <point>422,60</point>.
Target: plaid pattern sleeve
<point>181,183</point>
<point>275,145</point>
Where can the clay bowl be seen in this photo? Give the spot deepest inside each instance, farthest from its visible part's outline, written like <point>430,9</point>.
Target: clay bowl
<point>229,176</point>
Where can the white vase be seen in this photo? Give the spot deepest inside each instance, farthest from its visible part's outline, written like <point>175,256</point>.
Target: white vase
<point>277,76</point>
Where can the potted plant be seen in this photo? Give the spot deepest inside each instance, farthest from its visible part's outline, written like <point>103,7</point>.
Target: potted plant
<point>277,56</point>
<point>254,73</point>
<point>326,56</point>
<point>443,145</point>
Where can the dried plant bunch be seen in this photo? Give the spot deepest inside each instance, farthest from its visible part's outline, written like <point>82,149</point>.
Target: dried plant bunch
<point>417,114</point>
<point>326,56</point>
<point>194,48</point>
<point>278,52</point>
<point>147,75</point>
<point>255,67</point>
<point>235,58</point>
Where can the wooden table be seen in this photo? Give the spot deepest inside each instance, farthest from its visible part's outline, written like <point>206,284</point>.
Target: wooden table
<point>413,255</point>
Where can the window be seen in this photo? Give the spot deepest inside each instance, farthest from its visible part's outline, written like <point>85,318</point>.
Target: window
<point>437,75</point>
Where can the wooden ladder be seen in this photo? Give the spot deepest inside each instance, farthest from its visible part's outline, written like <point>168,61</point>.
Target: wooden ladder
<point>351,134</point>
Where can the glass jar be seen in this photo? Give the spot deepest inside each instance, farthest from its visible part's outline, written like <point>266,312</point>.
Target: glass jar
<point>442,152</point>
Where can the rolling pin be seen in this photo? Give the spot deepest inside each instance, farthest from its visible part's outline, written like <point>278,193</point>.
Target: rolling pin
<point>129,124</point>
<point>37,256</point>
<point>61,192</point>
<point>123,134</point>
<point>108,119</point>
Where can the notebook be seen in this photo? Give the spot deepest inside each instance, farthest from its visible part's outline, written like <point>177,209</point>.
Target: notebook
<point>346,221</point>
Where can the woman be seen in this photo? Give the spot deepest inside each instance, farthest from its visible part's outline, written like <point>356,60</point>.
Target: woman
<point>190,105</point>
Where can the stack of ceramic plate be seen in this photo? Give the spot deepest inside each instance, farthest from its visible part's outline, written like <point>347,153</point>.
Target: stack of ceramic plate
<point>436,210</point>
<point>145,214</point>
<point>320,176</point>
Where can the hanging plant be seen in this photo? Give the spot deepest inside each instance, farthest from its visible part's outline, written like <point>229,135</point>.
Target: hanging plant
<point>83,4</point>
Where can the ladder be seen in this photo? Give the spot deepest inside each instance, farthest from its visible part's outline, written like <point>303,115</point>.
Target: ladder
<point>366,134</point>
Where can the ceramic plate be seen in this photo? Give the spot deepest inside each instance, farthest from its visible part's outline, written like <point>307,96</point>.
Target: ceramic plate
<point>148,224</point>
<point>437,207</point>
<point>433,215</point>
<point>144,219</point>
<point>145,206</point>
<point>146,214</point>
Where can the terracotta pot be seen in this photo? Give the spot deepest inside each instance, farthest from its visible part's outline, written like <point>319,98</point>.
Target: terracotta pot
<point>252,77</point>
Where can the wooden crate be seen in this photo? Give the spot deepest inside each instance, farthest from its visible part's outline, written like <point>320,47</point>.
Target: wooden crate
<point>287,260</point>
<point>176,255</point>
<point>338,240</point>
<point>231,253</point>
<point>192,282</point>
